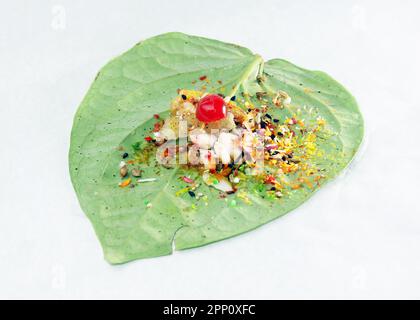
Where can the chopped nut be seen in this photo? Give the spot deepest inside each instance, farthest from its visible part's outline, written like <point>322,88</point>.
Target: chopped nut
<point>136,173</point>
<point>260,79</point>
<point>281,99</point>
<point>123,171</point>
<point>260,95</point>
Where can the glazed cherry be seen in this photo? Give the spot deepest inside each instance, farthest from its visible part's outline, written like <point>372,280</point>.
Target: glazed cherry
<point>211,108</point>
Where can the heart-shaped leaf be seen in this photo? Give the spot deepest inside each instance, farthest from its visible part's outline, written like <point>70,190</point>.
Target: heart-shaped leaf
<point>118,110</point>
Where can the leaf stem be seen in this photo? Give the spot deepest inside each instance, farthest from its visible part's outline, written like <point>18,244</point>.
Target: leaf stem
<point>258,61</point>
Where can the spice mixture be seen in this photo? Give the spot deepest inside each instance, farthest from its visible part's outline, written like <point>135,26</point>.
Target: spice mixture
<point>232,144</point>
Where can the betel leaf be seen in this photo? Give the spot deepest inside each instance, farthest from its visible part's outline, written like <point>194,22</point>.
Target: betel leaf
<point>118,110</point>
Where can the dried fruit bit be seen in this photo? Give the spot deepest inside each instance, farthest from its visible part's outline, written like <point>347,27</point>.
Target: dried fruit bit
<point>125,183</point>
<point>291,121</point>
<point>136,173</point>
<point>125,155</point>
<point>187,180</point>
<point>148,138</point>
<point>156,116</point>
<point>157,126</point>
<point>270,179</point>
<point>202,78</point>
<point>191,193</point>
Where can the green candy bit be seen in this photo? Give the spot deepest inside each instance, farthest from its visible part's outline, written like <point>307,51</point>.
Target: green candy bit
<point>136,146</point>
<point>260,187</point>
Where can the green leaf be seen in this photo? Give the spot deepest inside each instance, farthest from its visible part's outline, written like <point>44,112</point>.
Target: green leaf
<point>118,112</point>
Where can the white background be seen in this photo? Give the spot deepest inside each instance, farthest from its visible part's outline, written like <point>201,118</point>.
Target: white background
<point>357,238</point>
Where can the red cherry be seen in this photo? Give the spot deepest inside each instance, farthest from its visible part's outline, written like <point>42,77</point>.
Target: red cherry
<point>211,108</point>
